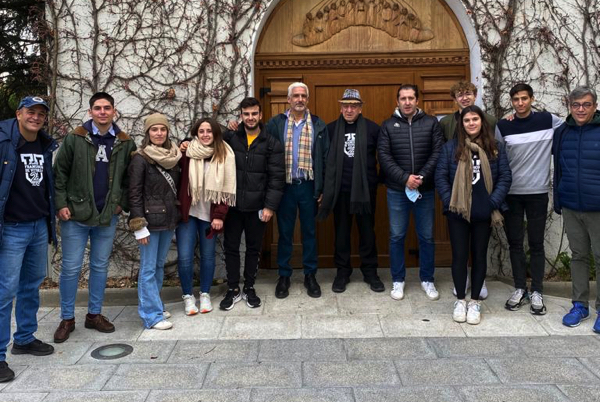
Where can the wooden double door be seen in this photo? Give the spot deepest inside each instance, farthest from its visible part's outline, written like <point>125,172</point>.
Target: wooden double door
<point>378,88</point>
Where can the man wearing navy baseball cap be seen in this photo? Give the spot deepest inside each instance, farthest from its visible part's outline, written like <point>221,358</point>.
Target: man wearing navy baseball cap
<point>26,225</point>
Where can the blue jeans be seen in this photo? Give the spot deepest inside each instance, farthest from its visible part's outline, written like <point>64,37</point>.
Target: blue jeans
<point>400,207</point>
<point>297,197</point>
<point>150,277</point>
<point>187,235</point>
<point>23,261</point>
<point>74,237</point>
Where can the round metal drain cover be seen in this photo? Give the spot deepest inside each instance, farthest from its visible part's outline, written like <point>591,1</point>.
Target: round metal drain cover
<point>113,351</point>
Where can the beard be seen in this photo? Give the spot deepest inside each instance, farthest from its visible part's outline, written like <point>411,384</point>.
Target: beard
<point>250,128</point>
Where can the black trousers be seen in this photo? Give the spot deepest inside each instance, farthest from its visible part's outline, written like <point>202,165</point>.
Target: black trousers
<point>367,249</point>
<point>535,207</point>
<point>465,236</point>
<point>237,223</point>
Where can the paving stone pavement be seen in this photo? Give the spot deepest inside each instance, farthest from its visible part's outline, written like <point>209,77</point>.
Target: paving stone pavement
<point>353,347</point>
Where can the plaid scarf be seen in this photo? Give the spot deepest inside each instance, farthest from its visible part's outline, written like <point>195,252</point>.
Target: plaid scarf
<point>304,149</point>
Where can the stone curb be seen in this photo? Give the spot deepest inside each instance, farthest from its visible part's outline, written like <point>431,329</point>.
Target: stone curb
<point>129,297</point>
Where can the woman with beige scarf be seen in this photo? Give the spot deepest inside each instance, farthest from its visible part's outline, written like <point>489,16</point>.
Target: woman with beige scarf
<point>153,180</point>
<point>472,178</point>
<point>206,191</point>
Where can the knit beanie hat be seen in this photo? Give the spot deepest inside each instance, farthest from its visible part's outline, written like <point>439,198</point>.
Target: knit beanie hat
<point>155,119</point>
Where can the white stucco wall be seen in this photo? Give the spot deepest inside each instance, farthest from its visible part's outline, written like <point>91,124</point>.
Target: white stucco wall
<point>176,57</point>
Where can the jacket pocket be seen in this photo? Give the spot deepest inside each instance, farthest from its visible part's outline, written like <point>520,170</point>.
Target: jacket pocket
<point>80,208</point>
<point>156,215</point>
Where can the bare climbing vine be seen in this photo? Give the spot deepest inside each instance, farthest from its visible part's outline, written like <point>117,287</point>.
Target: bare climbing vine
<point>552,45</point>
<point>189,59</point>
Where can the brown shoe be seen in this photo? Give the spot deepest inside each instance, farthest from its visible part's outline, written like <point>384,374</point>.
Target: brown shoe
<point>64,330</point>
<point>98,322</point>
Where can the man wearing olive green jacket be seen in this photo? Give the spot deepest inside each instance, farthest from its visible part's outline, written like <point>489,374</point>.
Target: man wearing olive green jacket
<point>91,191</point>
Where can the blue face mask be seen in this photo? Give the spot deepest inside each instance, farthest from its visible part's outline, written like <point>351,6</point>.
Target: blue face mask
<point>413,195</point>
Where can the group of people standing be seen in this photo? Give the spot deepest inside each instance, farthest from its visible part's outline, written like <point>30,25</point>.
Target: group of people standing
<point>486,173</point>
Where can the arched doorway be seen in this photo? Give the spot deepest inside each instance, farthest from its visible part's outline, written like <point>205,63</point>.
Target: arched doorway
<point>371,45</point>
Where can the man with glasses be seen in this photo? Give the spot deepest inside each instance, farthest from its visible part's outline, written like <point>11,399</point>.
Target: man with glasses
<point>27,224</point>
<point>576,150</point>
<point>350,189</point>
<point>528,138</point>
<point>464,94</point>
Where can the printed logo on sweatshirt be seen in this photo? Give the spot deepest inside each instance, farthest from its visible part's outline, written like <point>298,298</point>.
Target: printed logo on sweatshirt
<point>476,169</point>
<point>349,144</point>
<point>101,154</point>
<point>34,168</point>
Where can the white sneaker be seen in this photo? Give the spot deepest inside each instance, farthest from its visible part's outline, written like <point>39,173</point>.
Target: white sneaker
<point>205,304</point>
<point>460,311</point>
<point>164,324</point>
<point>397,291</point>
<point>484,292</point>
<point>466,287</point>
<point>166,315</point>
<point>189,302</point>
<point>474,312</point>
<point>430,290</point>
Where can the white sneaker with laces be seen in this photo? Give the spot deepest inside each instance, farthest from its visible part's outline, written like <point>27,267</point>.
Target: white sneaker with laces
<point>397,291</point>
<point>474,312</point>
<point>430,290</point>
<point>460,311</point>
<point>537,304</point>
<point>205,304</point>
<point>484,292</point>
<point>162,325</point>
<point>189,302</point>
<point>166,315</point>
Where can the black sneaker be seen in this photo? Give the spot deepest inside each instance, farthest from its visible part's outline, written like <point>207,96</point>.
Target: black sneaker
<point>35,347</point>
<point>6,374</point>
<point>252,300</point>
<point>231,297</point>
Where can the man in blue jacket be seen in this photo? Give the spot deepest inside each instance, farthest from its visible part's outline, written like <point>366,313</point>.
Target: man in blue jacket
<point>576,150</point>
<point>305,141</point>
<point>26,225</point>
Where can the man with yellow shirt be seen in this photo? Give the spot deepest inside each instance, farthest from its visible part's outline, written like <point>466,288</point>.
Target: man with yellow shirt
<point>260,178</point>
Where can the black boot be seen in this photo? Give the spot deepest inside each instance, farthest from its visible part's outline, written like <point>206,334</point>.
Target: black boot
<point>312,287</point>
<point>282,288</point>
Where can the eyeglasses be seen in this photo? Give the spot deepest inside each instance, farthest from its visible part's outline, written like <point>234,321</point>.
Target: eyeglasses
<point>585,106</point>
<point>464,94</point>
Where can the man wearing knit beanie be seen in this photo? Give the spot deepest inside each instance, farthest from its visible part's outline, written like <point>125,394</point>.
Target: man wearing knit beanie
<point>91,191</point>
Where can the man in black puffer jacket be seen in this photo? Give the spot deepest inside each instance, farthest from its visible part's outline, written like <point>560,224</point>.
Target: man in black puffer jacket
<point>260,174</point>
<point>408,149</point>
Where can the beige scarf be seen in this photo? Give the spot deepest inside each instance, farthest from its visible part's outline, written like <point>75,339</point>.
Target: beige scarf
<point>462,188</point>
<point>167,158</point>
<point>217,184</point>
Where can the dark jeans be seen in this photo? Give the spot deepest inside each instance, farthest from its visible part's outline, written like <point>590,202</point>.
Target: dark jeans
<point>535,207</point>
<point>464,236</point>
<point>367,249</point>
<point>254,229</point>
<point>297,197</point>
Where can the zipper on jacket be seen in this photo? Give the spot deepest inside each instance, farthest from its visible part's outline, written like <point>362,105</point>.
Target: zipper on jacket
<point>412,151</point>
<point>580,136</point>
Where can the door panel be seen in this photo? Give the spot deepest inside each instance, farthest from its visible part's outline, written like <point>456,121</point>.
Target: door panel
<point>378,89</point>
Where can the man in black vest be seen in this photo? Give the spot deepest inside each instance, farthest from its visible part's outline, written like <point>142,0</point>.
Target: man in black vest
<point>350,189</point>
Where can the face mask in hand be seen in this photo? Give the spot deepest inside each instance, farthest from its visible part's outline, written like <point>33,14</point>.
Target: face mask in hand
<point>413,195</point>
